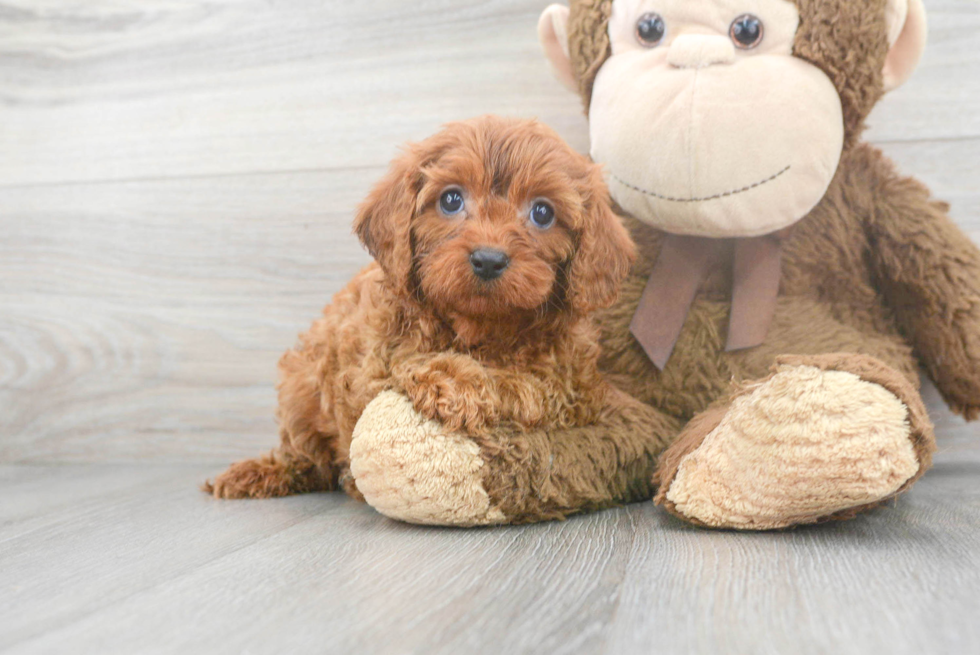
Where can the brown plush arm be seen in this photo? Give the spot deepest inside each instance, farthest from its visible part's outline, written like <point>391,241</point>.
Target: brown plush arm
<point>929,271</point>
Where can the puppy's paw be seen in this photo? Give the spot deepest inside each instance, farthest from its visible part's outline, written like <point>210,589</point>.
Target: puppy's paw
<point>459,397</point>
<point>269,476</point>
<point>251,478</point>
<point>413,469</point>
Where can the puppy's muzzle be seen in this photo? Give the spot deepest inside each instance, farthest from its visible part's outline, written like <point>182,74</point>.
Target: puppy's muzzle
<point>488,263</point>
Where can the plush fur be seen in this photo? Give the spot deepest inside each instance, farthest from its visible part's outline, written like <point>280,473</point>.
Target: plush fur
<point>514,354</point>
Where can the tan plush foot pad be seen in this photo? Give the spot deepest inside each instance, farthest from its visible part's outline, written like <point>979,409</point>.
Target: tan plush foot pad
<point>802,445</point>
<point>409,468</point>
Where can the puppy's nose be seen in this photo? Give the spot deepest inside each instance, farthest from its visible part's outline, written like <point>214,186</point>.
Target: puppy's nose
<point>488,264</point>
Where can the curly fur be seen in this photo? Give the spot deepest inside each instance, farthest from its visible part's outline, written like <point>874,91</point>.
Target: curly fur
<point>519,351</point>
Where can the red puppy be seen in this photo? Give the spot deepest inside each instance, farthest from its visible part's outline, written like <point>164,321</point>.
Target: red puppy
<point>494,242</point>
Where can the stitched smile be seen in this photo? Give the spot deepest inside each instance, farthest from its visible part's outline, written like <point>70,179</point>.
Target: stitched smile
<point>714,197</point>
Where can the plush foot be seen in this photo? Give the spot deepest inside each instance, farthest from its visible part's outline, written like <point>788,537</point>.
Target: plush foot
<point>822,437</point>
<point>413,469</point>
<point>269,476</point>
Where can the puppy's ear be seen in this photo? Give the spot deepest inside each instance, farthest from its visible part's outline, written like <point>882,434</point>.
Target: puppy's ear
<point>604,256</point>
<point>384,219</point>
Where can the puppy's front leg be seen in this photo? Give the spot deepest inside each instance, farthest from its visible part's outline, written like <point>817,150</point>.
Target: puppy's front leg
<point>453,389</point>
<point>524,398</point>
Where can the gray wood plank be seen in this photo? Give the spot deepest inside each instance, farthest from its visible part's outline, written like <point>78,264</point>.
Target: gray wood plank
<point>137,314</point>
<point>903,579</point>
<point>74,558</point>
<point>163,568</point>
<point>28,502</point>
<point>137,89</point>
<point>196,88</point>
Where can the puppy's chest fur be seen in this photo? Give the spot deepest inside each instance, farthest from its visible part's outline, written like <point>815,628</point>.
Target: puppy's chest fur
<point>371,338</point>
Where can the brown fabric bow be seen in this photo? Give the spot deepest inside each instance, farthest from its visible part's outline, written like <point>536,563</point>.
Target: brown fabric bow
<point>680,271</point>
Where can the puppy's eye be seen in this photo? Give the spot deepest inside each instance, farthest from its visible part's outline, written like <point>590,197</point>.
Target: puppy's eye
<point>542,215</point>
<point>650,29</point>
<point>746,31</point>
<point>451,202</point>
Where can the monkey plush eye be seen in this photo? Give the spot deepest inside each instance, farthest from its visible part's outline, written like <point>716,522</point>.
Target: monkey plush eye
<point>542,215</point>
<point>650,29</point>
<point>451,202</point>
<point>746,31</point>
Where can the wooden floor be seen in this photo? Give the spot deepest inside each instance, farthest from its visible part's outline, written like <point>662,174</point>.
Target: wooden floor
<point>177,180</point>
<point>131,558</point>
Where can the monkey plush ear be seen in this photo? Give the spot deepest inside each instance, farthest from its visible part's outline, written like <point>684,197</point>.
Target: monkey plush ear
<point>553,34</point>
<point>906,40</point>
<point>384,219</point>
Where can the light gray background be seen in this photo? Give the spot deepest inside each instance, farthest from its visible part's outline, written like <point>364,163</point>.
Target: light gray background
<point>177,180</point>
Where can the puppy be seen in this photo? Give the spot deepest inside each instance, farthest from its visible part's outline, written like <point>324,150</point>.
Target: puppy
<point>494,242</point>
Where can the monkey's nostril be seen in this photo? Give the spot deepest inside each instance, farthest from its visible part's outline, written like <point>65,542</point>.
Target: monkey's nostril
<point>488,263</point>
